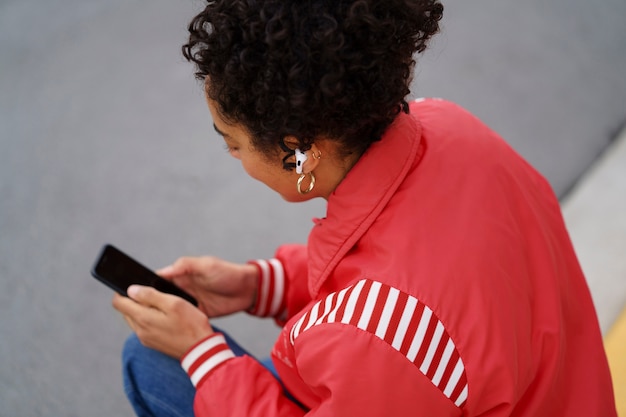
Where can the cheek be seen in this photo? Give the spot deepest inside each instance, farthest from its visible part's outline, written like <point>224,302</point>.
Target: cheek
<point>248,168</point>
<point>256,170</point>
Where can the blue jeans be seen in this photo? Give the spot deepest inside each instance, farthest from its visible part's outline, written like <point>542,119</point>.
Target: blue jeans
<point>156,385</point>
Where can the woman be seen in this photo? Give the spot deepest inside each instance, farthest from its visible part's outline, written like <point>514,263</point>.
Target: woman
<point>441,282</point>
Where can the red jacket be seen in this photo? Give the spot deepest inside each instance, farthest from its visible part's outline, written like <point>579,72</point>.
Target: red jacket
<point>441,283</point>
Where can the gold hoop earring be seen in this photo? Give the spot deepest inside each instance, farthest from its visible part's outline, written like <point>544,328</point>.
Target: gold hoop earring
<point>311,184</point>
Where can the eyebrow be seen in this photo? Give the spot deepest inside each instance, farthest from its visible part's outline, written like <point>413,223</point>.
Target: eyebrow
<point>219,132</point>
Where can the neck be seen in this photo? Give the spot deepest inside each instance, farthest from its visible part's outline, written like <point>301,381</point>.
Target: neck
<point>333,168</point>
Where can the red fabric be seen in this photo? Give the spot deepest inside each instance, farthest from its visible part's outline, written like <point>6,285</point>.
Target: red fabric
<point>206,356</point>
<point>441,283</point>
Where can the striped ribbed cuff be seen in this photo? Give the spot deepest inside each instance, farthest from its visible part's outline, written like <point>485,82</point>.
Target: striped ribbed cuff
<point>205,356</point>
<point>271,292</point>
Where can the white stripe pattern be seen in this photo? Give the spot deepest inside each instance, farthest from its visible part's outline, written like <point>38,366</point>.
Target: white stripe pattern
<point>279,287</point>
<point>409,326</point>
<point>205,356</point>
<point>209,365</point>
<point>271,295</point>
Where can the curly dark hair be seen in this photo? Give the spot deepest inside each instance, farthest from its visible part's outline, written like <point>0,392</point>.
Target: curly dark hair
<point>310,68</point>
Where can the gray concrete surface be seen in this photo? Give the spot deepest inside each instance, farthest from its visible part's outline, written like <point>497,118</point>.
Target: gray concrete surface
<point>595,215</point>
<point>104,137</point>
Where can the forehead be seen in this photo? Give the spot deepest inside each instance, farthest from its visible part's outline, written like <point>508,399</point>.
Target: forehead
<point>239,133</point>
<point>218,118</point>
<point>222,125</point>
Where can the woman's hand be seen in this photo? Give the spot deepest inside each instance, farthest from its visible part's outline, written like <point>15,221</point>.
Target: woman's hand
<point>162,321</point>
<point>220,287</point>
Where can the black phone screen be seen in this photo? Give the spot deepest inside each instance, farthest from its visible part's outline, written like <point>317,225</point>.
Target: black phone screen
<point>119,271</point>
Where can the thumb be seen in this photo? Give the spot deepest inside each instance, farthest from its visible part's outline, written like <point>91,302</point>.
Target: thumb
<point>168,271</point>
<point>147,296</point>
<point>182,266</point>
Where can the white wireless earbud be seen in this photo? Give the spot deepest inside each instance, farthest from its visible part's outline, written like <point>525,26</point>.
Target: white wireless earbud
<point>300,158</point>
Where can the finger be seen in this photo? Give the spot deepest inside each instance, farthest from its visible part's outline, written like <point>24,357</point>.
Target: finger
<point>138,316</point>
<point>127,306</point>
<point>119,301</point>
<point>182,266</point>
<point>130,310</point>
<point>147,296</point>
<point>153,298</point>
<point>131,323</point>
<point>167,271</point>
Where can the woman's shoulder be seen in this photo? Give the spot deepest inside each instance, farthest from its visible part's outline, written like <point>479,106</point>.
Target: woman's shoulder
<point>433,110</point>
<point>449,127</point>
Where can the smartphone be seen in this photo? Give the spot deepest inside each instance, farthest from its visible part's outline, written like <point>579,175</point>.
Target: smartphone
<point>119,271</point>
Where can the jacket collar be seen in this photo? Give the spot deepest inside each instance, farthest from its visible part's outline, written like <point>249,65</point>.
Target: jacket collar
<point>361,196</point>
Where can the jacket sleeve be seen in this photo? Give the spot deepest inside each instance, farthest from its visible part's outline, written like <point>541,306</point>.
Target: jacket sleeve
<point>233,386</point>
<point>371,350</point>
<point>357,374</point>
<point>282,290</point>
<point>351,371</point>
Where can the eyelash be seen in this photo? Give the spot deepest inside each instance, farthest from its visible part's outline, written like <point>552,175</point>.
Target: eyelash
<point>229,148</point>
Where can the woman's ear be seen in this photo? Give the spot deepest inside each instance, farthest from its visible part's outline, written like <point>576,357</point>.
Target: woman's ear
<point>291,142</point>
<point>313,158</point>
<point>306,161</point>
